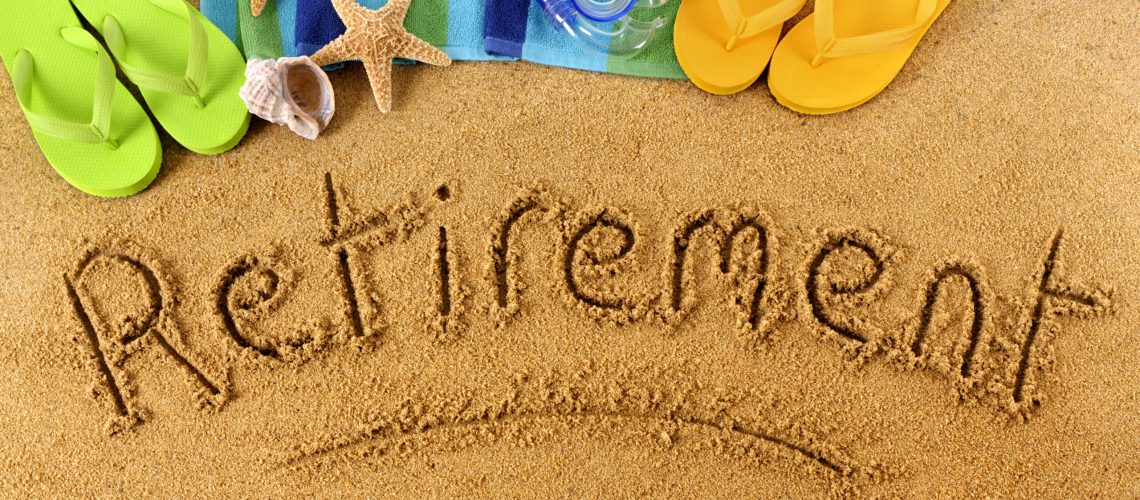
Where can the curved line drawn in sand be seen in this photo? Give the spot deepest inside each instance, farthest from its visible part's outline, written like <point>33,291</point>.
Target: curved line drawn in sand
<point>568,399</point>
<point>759,298</point>
<point>501,254</point>
<point>505,258</point>
<point>598,262</point>
<point>108,355</point>
<point>847,292</point>
<point>266,299</point>
<point>750,303</point>
<point>737,429</point>
<point>980,296</point>
<point>1054,296</point>
<point>682,238</point>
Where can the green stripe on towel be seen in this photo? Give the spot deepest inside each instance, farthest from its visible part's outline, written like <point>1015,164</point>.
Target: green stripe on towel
<point>427,19</point>
<point>259,37</point>
<point>658,59</point>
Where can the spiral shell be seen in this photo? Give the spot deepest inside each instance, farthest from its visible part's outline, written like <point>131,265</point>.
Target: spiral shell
<point>291,91</point>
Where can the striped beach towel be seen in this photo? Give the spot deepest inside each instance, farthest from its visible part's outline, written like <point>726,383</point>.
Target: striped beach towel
<point>285,28</point>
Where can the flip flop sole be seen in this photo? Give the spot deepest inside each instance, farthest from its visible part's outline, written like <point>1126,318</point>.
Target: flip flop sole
<point>699,39</point>
<point>844,83</point>
<point>98,170</point>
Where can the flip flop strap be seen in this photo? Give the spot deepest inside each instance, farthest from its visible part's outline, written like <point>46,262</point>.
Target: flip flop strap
<point>96,131</point>
<point>191,81</point>
<point>830,47</point>
<point>744,27</point>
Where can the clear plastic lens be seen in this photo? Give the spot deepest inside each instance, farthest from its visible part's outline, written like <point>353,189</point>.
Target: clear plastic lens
<point>603,10</point>
<point>626,38</point>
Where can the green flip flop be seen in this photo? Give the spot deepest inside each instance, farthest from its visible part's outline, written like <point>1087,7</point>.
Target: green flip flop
<point>89,127</point>
<point>188,71</point>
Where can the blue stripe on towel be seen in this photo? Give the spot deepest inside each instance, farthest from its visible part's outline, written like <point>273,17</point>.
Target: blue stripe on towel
<point>505,26</point>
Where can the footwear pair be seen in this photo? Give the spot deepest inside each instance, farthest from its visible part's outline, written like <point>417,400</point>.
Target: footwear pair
<point>835,59</point>
<point>88,125</point>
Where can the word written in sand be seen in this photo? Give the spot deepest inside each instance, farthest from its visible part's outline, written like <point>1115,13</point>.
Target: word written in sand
<point>835,287</point>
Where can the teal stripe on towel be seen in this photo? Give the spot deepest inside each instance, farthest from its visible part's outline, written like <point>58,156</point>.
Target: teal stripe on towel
<point>223,13</point>
<point>465,32</point>
<point>287,19</point>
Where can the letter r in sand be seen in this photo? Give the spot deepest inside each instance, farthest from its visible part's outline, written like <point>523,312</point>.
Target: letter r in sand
<point>111,340</point>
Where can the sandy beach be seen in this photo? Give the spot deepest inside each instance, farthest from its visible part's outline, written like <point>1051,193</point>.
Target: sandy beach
<point>528,281</point>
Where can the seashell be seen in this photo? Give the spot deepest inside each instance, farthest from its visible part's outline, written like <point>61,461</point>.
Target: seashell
<point>291,91</point>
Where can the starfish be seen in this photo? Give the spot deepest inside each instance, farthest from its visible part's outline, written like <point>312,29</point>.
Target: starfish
<point>375,37</point>
<point>256,6</point>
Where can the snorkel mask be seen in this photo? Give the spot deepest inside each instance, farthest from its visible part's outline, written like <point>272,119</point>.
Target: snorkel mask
<point>581,19</point>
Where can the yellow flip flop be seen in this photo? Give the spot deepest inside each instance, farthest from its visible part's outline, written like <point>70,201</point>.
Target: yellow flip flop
<point>721,50</point>
<point>844,54</point>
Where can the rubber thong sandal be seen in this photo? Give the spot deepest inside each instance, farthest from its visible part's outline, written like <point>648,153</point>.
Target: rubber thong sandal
<point>843,55</point>
<point>720,49</point>
<point>188,71</point>
<point>89,127</point>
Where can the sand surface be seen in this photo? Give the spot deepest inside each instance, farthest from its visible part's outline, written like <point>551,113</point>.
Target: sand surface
<point>529,281</point>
